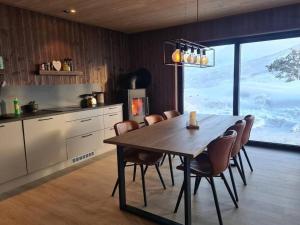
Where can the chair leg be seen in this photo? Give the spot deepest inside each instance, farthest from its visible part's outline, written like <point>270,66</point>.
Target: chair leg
<point>212,184</point>
<point>145,170</point>
<point>197,183</point>
<point>239,170</point>
<point>229,190</point>
<point>242,166</point>
<point>115,188</point>
<point>160,177</point>
<point>247,158</point>
<point>134,172</point>
<point>144,186</point>
<point>171,169</point>
<point>163,159</point>
<point>181,159</point>
<point>179,198</point>
<point>233,183</point>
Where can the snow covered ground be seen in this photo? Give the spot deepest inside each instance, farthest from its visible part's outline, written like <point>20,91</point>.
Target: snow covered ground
<point>274,102</point>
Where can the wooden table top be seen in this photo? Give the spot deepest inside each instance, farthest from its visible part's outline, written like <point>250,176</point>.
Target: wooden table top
<point>171,136</point>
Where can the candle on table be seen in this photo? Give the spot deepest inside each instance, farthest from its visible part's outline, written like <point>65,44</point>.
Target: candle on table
<point>193,120</point>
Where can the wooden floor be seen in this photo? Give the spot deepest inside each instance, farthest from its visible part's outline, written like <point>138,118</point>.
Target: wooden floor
<point>81,195</point>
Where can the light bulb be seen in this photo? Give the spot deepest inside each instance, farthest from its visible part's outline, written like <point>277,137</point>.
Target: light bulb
<point>190,57</point>
<point>198,57</point>
<point>176,56</point>
<point>204,59</point>
<point>186,54</point>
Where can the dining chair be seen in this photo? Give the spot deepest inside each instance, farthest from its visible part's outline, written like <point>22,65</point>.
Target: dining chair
<point>211,165</point>
<point>239,127</point>
<point>138,157</point>
<point>171,114</point>
<point>153,119</point>
<point>246,135</point>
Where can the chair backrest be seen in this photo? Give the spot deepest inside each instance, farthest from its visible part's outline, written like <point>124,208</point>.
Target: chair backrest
<point>171,114</point>
<point>239,127</point>
<point>219,151</point>
<point>152,119</point>
<point>126,126</point>
<point>247,131</point>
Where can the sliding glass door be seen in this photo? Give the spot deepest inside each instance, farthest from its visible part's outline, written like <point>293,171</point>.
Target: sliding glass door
<point>210,90</point>
<point>268,84</point>
<point>270,89</point>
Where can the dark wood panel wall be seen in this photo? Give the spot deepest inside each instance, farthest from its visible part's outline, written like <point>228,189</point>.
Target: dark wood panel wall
<point>146,48</point>
<point>28,38</point>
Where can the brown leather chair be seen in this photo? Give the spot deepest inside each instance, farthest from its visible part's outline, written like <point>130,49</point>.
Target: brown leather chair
<point>138,157</point>
<point>212,164</point>
<point>153,119</point>
<point>171,114</point>
<point>239,127</point>
<point>246,135</point>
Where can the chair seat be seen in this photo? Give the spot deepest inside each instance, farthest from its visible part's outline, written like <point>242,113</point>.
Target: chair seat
<point>138,156</point>
<point>200,166</point>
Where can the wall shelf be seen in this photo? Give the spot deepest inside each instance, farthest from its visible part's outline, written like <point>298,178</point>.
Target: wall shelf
<point>59,73</point>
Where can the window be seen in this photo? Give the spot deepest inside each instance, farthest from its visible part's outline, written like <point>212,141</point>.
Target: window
<point>210,90</point>
<point>270,89</point>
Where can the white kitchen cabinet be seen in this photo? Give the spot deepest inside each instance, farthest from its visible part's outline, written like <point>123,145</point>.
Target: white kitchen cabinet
<point>44,141</point>
<point>112,118</point>
<point>12,153</point>
<point>84,144</point>
<point>83,126</point>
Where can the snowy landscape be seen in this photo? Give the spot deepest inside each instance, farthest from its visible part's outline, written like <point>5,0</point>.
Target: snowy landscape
<point>274,102</point>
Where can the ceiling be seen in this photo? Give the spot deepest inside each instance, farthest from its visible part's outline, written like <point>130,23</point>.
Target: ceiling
<point>132,16</point>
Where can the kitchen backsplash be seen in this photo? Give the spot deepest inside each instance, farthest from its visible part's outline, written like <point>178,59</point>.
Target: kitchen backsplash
<point>45,96</point>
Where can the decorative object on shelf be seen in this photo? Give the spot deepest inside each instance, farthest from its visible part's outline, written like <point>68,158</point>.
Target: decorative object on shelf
<point>56,65</point>
<point>1,63</point>
<point>183,54</point>
<point>193,123</point>
<point>17,108</point>
<point>66,66</point>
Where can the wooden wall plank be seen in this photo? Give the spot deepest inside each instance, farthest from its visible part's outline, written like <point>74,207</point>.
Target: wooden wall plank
<point>28,39</point>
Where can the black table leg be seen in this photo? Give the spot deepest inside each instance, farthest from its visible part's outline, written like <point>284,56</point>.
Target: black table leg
<point>187,192</point>
<point>121,177</point>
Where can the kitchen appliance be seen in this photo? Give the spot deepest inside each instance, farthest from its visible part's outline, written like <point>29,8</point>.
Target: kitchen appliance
<point>88,100</point>
<point>99,97</point>
<point>31,107</point>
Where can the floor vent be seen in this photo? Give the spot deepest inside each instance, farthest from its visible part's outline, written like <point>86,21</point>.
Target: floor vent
<point>83,157</point>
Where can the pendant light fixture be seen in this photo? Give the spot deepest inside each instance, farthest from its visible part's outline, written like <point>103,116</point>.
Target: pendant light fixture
<point>188,53</point>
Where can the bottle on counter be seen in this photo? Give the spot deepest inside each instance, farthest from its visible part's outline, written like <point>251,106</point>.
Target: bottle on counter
<point>17,108</point>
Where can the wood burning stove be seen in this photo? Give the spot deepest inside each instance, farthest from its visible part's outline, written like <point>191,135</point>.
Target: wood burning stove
<point>136,105</point>
<point>132,88</point>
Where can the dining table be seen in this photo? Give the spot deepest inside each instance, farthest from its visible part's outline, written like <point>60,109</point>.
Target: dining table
<point>170,137</point>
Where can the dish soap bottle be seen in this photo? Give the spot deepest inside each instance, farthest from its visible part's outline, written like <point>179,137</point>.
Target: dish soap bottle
<point>17,107</point>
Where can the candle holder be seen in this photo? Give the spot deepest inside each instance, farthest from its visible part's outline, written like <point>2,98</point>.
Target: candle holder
<point>192,127</point>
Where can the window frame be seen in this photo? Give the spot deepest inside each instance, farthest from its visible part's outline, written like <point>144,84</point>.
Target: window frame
<point>237,41</point>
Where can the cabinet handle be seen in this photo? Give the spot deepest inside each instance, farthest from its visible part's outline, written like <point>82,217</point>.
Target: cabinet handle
<point>85,120</point>
<point>45,119</point>
<point>115,114</point>
<point>2,126</point>
<point>112,108</point>
<point>84,136</point>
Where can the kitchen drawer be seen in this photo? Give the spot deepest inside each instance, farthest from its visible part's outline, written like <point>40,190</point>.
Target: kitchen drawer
<point>112,109</point>
<point>83,126</point>
<point>83,144</point>
<point>83,114</point>
<point>111,119</point>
